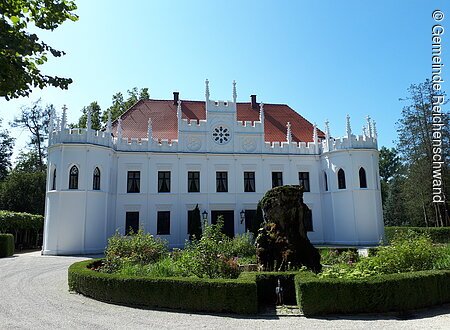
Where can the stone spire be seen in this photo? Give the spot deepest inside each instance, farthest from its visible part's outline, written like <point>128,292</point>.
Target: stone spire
<point>369,127</point>
<point>64,118</point>
<point>51,123</point>
<point>261,112</point>
<point>179,114</point>
<point>348,127</point>
<point>315,135</point>
<point>327,130</point>
<point>58,123</point>
<point>364,131</point>
<point>288,133</point>
<point>150,130</point>
<point>207,90</point>
<point>109,124</point>
<point>89,118</point>
<point>119,129</point>
<point>374,128</point>
<point>234,91</point>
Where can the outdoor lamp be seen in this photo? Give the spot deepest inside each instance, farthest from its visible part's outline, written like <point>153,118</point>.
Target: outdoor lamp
<point>205,215</point>
<point>242,213</point>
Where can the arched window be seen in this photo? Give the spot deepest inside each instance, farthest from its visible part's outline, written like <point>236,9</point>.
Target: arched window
<point>54,179</point>
<point>326,180</point>
<point>96,179</point>
<point>362,178</point>
<point>73,177</point>
<point>341,179</point>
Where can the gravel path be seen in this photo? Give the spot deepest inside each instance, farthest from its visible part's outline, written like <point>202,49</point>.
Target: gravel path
<point>34,295</point>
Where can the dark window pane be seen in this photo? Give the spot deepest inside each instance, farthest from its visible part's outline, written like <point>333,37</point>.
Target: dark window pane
<point>133,183</point>
<point>163,223</point>
<point>249,181</point>
<point>131,223</point>
<point>96,179</point>
<point>277,179</point>
<point>164,181</point>
<point>54,180</point>
<point>193,181</point>
<point>362,178</point>
<point>73,178</point>
<point>303,178</point>
<point>326,181</point>
<point>250,218</point>
<point>222,181</point>
<point>341,179</point>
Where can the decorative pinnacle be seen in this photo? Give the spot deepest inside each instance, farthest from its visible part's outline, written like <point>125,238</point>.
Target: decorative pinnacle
<point>261,112</point>
<point>234,91</point>
<point>64,117</point>
<point>288,133</point>
<point>51,123</point>
<point>315,135</point>
<point>348,128</point>
<point>374,128</point>
<point>119,128</point>
<point>178,109</point>
<point>364,130</point>
<point>207,89</point>
<point>327,129</point>
<point>369,127</point>
<point>149,129</point>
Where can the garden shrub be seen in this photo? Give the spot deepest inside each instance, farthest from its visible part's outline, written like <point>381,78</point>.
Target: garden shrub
<point>437,234</point>
<point>333,256</point>
<point>6,245</point>
<point>26,228</point>
<point>383,293</point>
<point>140,248</point>
<point>193,294</point>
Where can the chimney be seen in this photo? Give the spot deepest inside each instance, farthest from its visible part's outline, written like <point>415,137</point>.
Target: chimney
<point>176,97</point>
<point>254,104</point>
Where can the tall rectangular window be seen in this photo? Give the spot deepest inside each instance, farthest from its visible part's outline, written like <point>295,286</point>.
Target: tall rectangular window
<point>303,180</point>
<point>193,181</point>
<point>134,182</point>
<point>163,223</point>
<point>131,223</point>
<point>222,181</point>
<point>308,220</point>
<point>249,181</point>
<point>277,179</point>
<point>164,181</point>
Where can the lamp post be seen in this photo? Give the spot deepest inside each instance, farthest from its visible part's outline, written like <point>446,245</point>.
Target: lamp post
<point>205,219</point>
<point>242,214</point>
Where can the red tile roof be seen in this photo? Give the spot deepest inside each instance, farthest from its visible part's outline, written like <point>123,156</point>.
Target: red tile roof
<point>164,120</point>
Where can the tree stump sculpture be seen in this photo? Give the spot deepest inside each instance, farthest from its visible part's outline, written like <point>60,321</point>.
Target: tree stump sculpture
<point>282,240</point>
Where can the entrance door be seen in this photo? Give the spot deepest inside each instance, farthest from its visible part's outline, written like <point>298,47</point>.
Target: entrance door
<point>228,221</point>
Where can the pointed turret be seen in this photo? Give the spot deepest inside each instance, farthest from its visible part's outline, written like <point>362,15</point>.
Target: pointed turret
<point>288,133</point>
<point>234,91</point>
<point>109,124</point>
<point>64,118</point>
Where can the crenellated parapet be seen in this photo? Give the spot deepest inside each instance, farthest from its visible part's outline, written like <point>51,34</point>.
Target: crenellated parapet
<point>367,140</point>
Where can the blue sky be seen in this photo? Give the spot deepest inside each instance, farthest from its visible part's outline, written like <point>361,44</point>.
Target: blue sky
<point>323,58</point>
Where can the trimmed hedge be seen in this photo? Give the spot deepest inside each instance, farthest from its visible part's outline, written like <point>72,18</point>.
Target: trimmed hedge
<point>26,228</point>
<point>395,292</point>
<point>437,234</point>
<point>193,294</point>
<point>6,245</point>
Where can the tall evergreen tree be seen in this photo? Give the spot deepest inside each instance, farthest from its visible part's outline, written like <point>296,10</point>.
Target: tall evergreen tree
<point>6,150</point>
<point>95,110</point>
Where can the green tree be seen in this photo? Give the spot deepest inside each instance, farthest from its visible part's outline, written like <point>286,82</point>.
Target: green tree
<point>23,192</point>
<point>6,150</point>
<point>21,52</point>
<point>36,120</point>
<point>415,144</point>
<point>27,161</point>
<point>390,163</point>
<point>120,105</point>
<point>95,110</point>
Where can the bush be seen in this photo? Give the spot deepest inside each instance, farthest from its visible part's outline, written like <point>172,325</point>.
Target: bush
<point>26,228</point>
<point>212,256</point>
<point>338,256</point>
<point>6,245</point>
<point>242,245</point>
<point>192,294</point>
<point>437,234</point>
<point>139,248</point>
<point>384,293</point>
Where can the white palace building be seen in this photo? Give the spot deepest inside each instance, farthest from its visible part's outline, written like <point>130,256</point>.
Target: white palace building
<point>161,158</point>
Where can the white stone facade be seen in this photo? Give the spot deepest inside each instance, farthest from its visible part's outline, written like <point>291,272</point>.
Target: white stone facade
<point>80,220</point>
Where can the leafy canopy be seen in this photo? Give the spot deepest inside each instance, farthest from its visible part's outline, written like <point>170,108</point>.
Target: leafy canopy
<point>21,52</point>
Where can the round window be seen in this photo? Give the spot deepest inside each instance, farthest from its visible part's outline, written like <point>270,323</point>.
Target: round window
<point>221,134</point>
